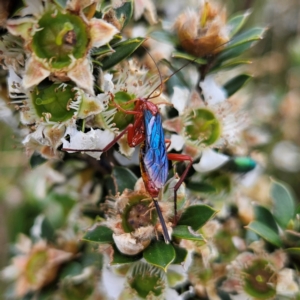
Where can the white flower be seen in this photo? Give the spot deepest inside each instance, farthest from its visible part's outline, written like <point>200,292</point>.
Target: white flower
<point>212,92</point>
<point>210,122</point>
<point>69,61</point>
<point>146,8</point>
<point>93,139</point>
<point>210,160</point>
<point>286,285</point>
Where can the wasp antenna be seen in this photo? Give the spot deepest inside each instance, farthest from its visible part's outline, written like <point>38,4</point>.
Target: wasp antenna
<point>174,73</point>
<point>159,73</point>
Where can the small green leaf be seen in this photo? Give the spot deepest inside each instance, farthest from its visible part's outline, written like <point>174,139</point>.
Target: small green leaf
<point>235,84</point>
<point>91,257</point>
<point>231,64</point>
<point>196,216</point>
<point>36,159</point>
<point>120,179</point>
<point>201,187</point>
<point>159,254</point>
<point>104,50</point>
<point>284,204</point>
<point>232,53</point>
<point>124,178</point>
<point>42,228</point>
<point>265,232</point>
<point>237,22</point>
<point>264,216</point>
<point>120,258</point>
<point>185,232</point>
<point>122,50</point>
<point>99,234</point>
<point>189,57</point>
<point>181,255</point>
<point>124,13</point>
<point>72,269</point>
<point>177,79</point>
<point>164,36</point>
<point>293,251</point>
<point>250,35</point>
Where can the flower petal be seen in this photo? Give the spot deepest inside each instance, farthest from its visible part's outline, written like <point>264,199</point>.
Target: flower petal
<point>210,160</point>
<point>147,8</point>
<point>177,142</point>
<point>179,98</point>
<point>94,139</point>
<point>112,283</point>
<point>78,5</point>
<point>82,75</point>
<point>129,245</point>
<point>35,72</point>
<point>101,32</point>
<point>21,27</point>
<point>212,92</point>
<point>92,105</point>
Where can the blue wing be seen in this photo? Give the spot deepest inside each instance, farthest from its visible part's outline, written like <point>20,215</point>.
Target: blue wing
<point>155,155</point>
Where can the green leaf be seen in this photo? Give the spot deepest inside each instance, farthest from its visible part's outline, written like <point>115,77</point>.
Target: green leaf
<point>120,258</point>
<point>72,269</point>
<point>124,13</point>
<point>196,216</point>
<point>201,187</point>
<point>159,254</point>
<point>231,53</point>
<point>177,79</point>
<point>264,216</point>
<point>42,228</point>
<point>237,22</point>
<point>164,36</point>
<point>250,35</point>
<point>66,201</point>
<point>265,232</point>
<point>124,178</point>
<point>99,234</point>
<point>238,46</point>
<point>189,57</point>
<point>120,179</point>
<point>293,251</point>
<point>122,51</point>
<point>185,232</point>
<point>36,159</point>
<point>284,204</point>
<point>181,255</point>
<point>231,64</point>
<point>104,50</point>
<point>28,296</point>
<point>235,84</point>
<point>91,257</point>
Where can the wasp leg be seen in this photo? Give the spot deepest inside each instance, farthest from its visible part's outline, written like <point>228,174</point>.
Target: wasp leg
<point>179,157</point>
<point>162,222</point>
